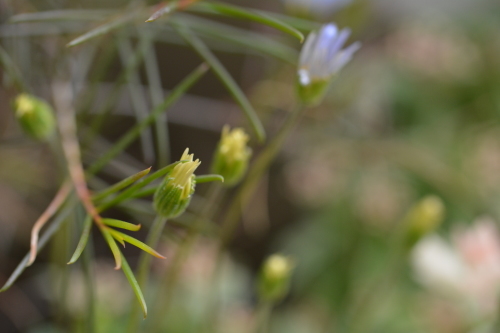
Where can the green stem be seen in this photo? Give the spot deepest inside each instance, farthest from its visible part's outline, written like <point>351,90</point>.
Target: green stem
<point>263,316</point>
<point>260,165</point>
<point>172,275</point>
<point>245,192</point>
<point>143,269</point>
<point>87,259</point>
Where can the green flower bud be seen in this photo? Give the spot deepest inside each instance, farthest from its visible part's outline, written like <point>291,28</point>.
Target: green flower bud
<point>232,155</point>
<point>424,217</point>
<point>275,277</point>
<point>35,116</point>
<point>174,193</point>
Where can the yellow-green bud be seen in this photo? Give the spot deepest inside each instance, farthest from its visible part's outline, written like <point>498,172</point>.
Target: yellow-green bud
<point>232,155</point>
<point>313,93</point>
<point>424,217</point>
<point>174,193</point>
<point>275,277</point>
<point>35,116</point>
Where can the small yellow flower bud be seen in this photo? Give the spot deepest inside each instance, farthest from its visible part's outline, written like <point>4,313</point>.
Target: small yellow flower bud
<point>232,155</point>
<point>35,116</point>
<point>274,281</point>
<point>424,217</point>
<point>174,193</point>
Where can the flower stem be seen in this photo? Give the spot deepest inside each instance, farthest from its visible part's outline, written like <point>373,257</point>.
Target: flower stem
<point>263,316</point>
<point>258,168</point>
<point>173,272</point>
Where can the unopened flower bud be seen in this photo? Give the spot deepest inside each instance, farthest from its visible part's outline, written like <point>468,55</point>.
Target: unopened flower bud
<point>274,280</point>
<point>321,58</point>
<point>174,193</point>
<point>232,155</point>
<point>35,116</point>
<point>424,217</point>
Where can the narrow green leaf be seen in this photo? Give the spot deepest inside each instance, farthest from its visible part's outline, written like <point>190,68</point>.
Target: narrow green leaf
<point>51,230</point>
<point>248,14</point>
<point>249,41</point>
<point>225,78</point>
<point>12,70</point>
<point>129,193</point>
<point>144,193</point>
<point>117,237</point>
<point>135,286</point>
<point>209,178</point>
<point>135,131</point>
<point>103,29</point>
<point>87,226</point>
<point>136,242</point>
<point>120,185</point>
<point>112,246</point>
<point>121,224</point>
<point>62,15</point>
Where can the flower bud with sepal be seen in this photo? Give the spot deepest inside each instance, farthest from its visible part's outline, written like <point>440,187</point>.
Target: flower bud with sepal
<point>174,193</point>
<point>232,155</point>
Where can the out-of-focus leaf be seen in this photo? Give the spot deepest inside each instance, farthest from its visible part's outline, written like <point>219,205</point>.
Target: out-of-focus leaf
<point>87,226</point>
<point>135,286</point>
<point>103,29</point>
<point>209,178</point>
<point>121,224</point>
<point>51,230</point>
<point>135,242</point>
<point>62,15</point>
<point>250,41</point>
<point>248,14</point>
<point>121,185</point>
<point>225,78</point>
<point>134,132</point>
<point>12,70</point>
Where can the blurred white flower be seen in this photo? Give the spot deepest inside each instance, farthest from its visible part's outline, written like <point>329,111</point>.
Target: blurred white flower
<point>323,55</point>
<point>468,267</point>
<point>320,8</point>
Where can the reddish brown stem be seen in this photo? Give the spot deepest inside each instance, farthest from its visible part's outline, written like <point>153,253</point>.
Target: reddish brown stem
<point>58,200</point>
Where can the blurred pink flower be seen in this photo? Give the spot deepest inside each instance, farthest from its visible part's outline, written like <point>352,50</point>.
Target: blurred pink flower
<point>468,268</point>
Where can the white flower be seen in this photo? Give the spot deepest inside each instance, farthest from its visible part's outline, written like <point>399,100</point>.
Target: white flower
<point>322,55</point>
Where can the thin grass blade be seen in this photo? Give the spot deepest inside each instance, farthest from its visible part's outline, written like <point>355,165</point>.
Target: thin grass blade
<point>134,132</point>
<point>62,15</point>
<point>225,78</point>
<point>103,29</point>
<point>82,243</point>
<point>247,14</point>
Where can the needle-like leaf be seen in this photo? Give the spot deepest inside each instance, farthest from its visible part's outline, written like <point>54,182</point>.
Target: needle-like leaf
<point>133,283</point>
<point>112,246</point>
<point>87,226</point>
<point>209,178</point>
<point>120,185</point>
<point>135,242</point>
<point>121,224</point>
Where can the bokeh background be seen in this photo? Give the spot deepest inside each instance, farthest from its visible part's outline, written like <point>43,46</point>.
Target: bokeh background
<point>416,113</point>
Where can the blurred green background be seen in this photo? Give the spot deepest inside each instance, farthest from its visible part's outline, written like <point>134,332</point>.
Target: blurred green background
<point>416,113</point>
